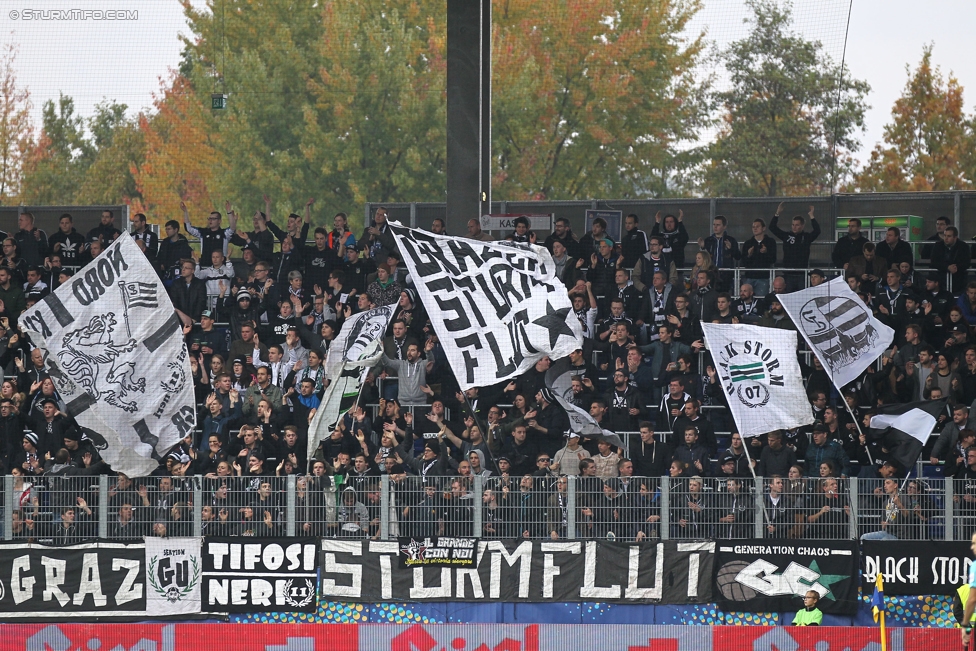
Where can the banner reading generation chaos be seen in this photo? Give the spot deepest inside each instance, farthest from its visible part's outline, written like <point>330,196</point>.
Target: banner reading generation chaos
<point>515,570</point>
<point>767,576</point>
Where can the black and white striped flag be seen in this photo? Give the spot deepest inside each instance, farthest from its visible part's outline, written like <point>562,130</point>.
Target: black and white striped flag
<point>140,294</point>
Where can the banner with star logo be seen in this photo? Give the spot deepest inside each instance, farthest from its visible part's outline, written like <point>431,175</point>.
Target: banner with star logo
<point>773,575</point>
<point>497,307</point>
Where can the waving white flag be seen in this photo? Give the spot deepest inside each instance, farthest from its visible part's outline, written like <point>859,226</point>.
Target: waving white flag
<point>839,328</point>
<point>760,376</point>
<point>497,307</point>
<point>113,345</point>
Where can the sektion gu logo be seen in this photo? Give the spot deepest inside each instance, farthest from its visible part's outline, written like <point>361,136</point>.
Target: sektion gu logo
<point>746,370</point>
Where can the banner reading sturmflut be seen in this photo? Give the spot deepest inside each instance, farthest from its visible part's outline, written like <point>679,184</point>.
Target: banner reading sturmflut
<point>113,345</point>
<point>760,376</point>
<point>497,307</point>
<point>356,349</point>
<point>839,328</point>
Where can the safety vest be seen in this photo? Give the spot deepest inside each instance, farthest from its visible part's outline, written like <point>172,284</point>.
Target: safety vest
<point>807,617</point>
<point>963,593</point>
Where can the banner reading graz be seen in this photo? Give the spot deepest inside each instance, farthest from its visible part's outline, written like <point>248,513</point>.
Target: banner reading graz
<point>916,567</point>
<point>766,576</point>
<point>94,580</point>
<point>513,570</point>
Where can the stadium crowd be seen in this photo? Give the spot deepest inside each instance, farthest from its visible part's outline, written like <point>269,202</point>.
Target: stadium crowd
<point>259,327</point>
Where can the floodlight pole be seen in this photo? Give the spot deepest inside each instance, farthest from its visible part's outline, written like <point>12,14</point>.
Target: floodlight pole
<point>468,112</point>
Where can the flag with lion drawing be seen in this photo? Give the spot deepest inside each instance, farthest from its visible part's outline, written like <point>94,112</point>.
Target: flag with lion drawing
<point>113,345</point>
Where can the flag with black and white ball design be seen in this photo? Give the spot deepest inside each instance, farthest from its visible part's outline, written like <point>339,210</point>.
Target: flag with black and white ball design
<point>839,328</point>
<point>760,376</point>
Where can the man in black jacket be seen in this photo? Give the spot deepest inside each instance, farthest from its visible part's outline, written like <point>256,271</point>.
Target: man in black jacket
<point>633,243</point>
<point>850,245</point>
<point>759,252</point>
<point>624,402</point>
<point>952,257</point>
<point>650,457</point>
<point>894,249</point>
<point>796,244</point>
<point>548,422</point>
<point>189,294</point>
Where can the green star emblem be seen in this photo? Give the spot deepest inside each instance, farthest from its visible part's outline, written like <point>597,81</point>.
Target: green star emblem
<point>826,580</point>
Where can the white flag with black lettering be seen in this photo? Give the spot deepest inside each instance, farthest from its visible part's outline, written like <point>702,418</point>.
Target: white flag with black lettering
<point>760,376</point>
<point>113,345</point>
<point>173,573</point>
<point>839,328</point>
<point>357,348</point>
<point>497,307</point>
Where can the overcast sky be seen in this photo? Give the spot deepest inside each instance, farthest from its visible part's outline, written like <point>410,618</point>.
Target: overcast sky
<point>123,60</point>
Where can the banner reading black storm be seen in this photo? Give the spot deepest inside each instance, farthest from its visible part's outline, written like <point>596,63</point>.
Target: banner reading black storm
<point>93,580</point>
<point>911,567</point>
<point>246,575</point>
<point>534,571</point>
<point>758,576</point>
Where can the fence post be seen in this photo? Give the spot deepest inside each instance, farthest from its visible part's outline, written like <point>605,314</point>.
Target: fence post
<point>571,507</point>
<point>8,507</point>
<point>385,507</point>
<point>956,208</point>
<point>712,209</point>
<point>103,506</point>
<point>853,498</point>
<point>665,508</point>
<point>198,506</point>
<point>413,215</point>
<point>479,485</point>
<point>291,483</point>
<point>950,528</point>
<point>759,508</point>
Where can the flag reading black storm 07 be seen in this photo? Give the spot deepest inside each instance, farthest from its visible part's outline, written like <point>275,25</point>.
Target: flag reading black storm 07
<point>497,307</point>
<point>113,345</point>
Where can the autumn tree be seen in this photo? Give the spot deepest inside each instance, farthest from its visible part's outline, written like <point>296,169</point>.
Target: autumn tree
<point>592,98</point>
<point>791,117</point>
<point>15,125</point>
<point>180,161</point>
<point>55,163</point>
<point>119,145</point>
<point>928,145</point>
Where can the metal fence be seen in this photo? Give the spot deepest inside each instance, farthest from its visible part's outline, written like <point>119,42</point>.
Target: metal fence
<point>959,207</point>
<point>67,510</point>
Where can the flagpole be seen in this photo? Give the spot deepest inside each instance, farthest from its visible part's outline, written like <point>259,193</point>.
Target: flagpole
<point>755,479</point>
<point>867,450</point>
<point>125,307</point>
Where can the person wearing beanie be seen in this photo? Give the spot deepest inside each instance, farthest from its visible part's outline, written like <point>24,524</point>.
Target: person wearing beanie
<point>385,290</point>
<point>431,462</point>
<point>242,308</point>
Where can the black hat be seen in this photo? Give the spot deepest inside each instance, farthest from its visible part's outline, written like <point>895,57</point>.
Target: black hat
<point>933,276</point>
<point>332,324</point>
<point>772,298</point>
<point>817,272</point>
<point>396,469</point>
<point>32,437</point>
<point>434,446</point>
<point>547,395</point>
<point>820,427</point>
<point>503,458</point>
<point>49,400</point>
<point>726,458</point>
<point>72,435</point>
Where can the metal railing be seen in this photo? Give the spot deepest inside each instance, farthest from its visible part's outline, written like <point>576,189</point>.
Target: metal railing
<point>68,510</point>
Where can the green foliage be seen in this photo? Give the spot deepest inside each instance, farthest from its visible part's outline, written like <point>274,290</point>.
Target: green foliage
<point>929,144</point>
<point>791,117</point>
